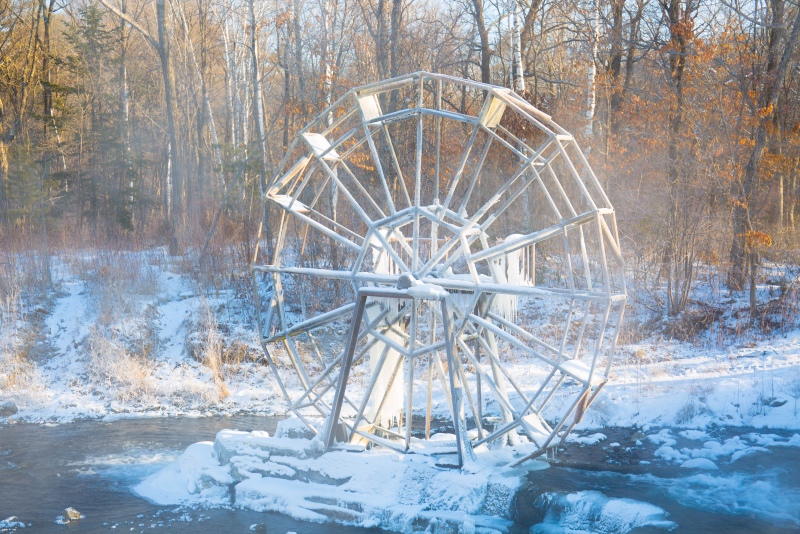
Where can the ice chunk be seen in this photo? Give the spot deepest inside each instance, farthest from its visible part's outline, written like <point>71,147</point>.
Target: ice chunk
<point>418,290</point>
<point>699,463</point>
<point>591,511</point>
<point>593,439</point>
<point>196,476</point>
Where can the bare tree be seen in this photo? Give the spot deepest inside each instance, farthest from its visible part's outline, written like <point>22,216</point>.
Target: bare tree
<point>174,199</point>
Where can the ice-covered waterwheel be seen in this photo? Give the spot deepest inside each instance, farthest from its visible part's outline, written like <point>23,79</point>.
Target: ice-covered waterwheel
<point>482,247</point>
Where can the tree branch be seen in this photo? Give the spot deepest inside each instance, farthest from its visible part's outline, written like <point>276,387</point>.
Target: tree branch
<point>135,25</point>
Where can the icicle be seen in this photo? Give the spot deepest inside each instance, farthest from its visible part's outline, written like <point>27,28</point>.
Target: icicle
<point>393,405</point>
<point>510,269</point>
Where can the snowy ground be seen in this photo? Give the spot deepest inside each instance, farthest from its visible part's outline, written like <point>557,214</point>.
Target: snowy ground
<point>94,359</point>
<point>87,363</point>
<point>135,336</point>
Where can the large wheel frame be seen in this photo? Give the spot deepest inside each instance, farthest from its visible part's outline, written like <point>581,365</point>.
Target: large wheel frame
<point>491,212</point>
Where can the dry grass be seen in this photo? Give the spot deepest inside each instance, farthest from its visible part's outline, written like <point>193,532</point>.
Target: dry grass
<point>111,366</point>
<point>118,359</point>
<point>205,343</point>
<point>19,377</point>
<point>119,280</point>
<point>131,378</point>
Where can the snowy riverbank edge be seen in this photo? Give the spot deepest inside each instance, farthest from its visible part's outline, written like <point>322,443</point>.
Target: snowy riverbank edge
<point>660,384</point>
<point>753,387</point>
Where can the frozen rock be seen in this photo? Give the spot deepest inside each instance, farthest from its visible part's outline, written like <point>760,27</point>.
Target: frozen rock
<point>592,511</point>
<point>230,443</point>
<point>696,435</point>
<point>293,428</point>
<point>71,514</point>
<point>663,437</point>
<point>372,488</point>
<point>669,454</point>
<point>195,476</point>
<point>7,409</point>
<point>637,436</point>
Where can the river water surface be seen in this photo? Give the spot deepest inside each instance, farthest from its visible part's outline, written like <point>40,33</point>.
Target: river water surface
<point>92,467</point>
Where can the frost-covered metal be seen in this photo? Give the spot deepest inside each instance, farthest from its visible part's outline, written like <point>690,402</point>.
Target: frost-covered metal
<point>439,241</point>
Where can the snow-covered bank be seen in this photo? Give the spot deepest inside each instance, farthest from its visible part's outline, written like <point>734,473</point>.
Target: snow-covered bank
<point>118,344</point>
<point>687,387</point>
<point>120,337</point>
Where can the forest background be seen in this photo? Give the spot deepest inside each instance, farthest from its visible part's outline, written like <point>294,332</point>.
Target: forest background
<point>131,124</point>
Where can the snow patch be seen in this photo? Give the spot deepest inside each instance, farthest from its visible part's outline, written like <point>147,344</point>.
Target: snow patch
<point>11,522</point>
<point>593,439</point>
<point>196,476</point>
<point>694,435</point>
<point>699,463</point>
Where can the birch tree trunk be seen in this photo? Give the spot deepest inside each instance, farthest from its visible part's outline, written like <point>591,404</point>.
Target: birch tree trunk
<point>327,56</point>
<point>230,85</point>
<point>258,106</point>
<point>517,72</point>
<point>261,127</point>
<point>395,23</point>
<point>127,176</point>
<point>298,59</point>
<point>591,100</point>
<point>328,25</point>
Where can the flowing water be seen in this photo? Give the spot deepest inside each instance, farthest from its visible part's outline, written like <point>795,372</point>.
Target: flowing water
<point>605,489</point>
<point>92,467</point>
